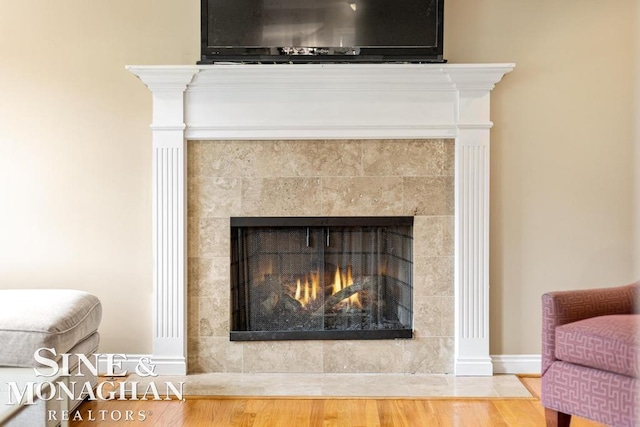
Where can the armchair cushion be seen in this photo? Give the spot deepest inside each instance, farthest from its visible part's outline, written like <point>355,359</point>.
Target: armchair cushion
<point>608,343</point>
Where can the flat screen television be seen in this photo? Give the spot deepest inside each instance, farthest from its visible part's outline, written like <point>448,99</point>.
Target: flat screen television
<point>322,31</point>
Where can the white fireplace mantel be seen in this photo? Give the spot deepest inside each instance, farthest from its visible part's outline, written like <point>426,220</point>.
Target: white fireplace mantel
<point>323,101</point>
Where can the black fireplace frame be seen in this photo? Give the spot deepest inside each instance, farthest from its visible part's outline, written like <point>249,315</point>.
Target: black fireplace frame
<point>378,334</point>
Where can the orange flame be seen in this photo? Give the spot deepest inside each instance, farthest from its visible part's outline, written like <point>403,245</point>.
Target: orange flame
<point>342,281</point>
<point>307,292</point>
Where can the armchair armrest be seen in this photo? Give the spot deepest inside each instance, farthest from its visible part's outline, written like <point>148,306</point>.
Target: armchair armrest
<point>559,308</point>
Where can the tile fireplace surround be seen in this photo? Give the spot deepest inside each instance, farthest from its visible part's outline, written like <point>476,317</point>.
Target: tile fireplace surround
<point>362,107</point>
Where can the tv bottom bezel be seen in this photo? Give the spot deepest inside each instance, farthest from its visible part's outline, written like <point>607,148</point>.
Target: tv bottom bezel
<point>302,59</point>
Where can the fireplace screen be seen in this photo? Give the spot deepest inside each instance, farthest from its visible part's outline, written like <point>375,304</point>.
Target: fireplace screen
<point>321,278</point>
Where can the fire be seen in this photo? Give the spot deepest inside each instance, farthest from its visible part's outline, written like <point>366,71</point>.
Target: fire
<point>342,281</point>
<point>307,291</point>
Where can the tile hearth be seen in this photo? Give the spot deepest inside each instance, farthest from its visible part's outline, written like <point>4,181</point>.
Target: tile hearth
<point>347,385</point>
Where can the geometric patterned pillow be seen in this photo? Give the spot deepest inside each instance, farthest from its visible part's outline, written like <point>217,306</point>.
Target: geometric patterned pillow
<point>609,343</point>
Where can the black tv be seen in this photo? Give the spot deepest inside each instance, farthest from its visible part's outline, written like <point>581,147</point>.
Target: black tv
<point>256,31</point>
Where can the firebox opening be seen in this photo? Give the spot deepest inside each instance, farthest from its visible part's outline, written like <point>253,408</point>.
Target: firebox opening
<point>321,278</point>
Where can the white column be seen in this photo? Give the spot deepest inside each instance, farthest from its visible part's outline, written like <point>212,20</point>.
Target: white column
<point>471,274</point>
<point>169,216</point>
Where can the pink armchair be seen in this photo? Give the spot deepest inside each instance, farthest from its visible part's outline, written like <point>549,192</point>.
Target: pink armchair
<point>590,355</point>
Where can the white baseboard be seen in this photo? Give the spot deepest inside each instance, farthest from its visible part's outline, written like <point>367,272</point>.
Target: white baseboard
<point>516,363</point>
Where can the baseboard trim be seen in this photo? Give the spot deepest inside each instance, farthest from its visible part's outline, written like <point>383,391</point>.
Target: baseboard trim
<point>516,363</point>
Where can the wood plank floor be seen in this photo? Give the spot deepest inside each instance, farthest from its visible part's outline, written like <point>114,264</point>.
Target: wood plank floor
<point>300,412</point>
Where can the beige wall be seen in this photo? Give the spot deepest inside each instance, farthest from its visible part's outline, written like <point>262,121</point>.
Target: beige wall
<point>75,159</point>
<point>562,168</point>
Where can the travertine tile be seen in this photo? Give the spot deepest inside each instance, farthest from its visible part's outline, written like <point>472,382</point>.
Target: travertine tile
<point>218,355</point>
<point>213,237</point>
<point>214,316</point>
<point>449,235</point>
<point>449,157</point>
<point>432,316</point>
<point>237,158</point>
<point>355,196</point>
<point>341,385</point>
<point>433,276</point>
<point>381,356</point>
<point>214,197</point>
<point>193,346</point>
<point>281,197</point>
<point>430,236</point>
<point>211,276</point>
<point>193,317</point>
<point>333,178</point>
<point>283,356</point>
<point>193,274</point>
<point>427,355</point>
<point>193,238</point>
<point>403,157</point>
<point>321,158</point>
<point>426,316</point>
<point>429,195</point>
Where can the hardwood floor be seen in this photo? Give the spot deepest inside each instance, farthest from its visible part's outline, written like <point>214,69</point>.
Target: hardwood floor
<point>321,412</point>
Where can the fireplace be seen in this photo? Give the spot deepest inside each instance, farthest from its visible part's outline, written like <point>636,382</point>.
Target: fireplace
<point>321,278</point>
<point>371,104</point>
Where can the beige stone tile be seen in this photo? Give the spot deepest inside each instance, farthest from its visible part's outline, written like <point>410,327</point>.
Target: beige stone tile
<point>321,158</point>
<point>211,276</point>
<point>362,196</point>
<point>512,391</point>
<point>281,197</point>
<point>194,155</point>
<point>433,276</point>
<point>219,355</point>
<point>193,317</point>
<point>429,236</point>
<point>426,316</point>
<point>214,237</point>
<point>381,356</point>
<point>235,158</point>
<point>213,319</point>
<point>193,240</point>
<point>479,386</point>
<point>346,389</point>
<point>403,157</point>
<point>449,157</point>
<point>449,236</point>
<point>214,197</point>
<point>283,356</point>
<point>428,355</point>
<point>193,274</point>
<point>432,316</point>
<point>337,385</point>
<point>193,349</point>
<point>216,191</point>
<point>340,158</point>
<point>448,316</point>
<point>429,195</point>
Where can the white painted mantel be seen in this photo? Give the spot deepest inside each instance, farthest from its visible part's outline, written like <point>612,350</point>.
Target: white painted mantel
<point>323,101</point>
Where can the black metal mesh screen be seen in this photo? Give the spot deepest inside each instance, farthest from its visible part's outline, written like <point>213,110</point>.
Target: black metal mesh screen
<point>308,282</point>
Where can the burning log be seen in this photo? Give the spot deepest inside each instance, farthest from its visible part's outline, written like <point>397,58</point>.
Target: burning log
<point>366,284</point>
